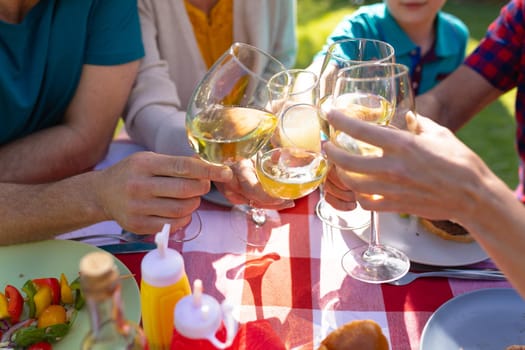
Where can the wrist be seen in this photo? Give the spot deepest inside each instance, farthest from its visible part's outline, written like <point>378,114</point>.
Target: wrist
<point>487,202</point>
<point>96,204</point>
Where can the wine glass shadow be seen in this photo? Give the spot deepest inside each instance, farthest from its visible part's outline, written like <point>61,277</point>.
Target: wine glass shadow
<point>253,272</point>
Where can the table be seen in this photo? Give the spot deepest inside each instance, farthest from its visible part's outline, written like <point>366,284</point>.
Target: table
<point>296,281</point>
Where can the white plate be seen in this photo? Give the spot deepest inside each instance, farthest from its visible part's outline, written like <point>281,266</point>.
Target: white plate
<point>421,246</point>
<point>484,319</point>
<point>21,262</point>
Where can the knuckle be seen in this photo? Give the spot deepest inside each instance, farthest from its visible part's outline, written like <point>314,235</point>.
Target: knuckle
<point>183,166</point>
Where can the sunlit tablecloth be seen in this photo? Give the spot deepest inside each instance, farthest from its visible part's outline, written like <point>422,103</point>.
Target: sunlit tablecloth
<point>296,281</point>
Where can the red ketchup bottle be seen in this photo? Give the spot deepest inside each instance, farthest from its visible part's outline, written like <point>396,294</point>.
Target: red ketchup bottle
<point>200,322</point>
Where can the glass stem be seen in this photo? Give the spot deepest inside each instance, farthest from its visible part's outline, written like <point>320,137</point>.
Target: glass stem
<point>321,192</point>
<point>373,244</point>
<point>374,229</point>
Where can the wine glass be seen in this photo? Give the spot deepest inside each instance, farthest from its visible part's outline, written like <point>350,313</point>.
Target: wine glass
<point>292,165</point>
<point>341,54</point>
<point>230,117</point>
<point>380,94</point>
<point>285,88</point>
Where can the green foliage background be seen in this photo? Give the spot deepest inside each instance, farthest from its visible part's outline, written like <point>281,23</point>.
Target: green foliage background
<point>491,133</point>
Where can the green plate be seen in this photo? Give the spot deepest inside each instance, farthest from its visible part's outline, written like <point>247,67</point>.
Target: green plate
<point>21,262</point>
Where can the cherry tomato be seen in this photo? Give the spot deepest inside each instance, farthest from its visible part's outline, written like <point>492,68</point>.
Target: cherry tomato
<point>40,346</point>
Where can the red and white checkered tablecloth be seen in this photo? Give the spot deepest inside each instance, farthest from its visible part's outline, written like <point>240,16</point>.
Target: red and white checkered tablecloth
<point>297,283</point>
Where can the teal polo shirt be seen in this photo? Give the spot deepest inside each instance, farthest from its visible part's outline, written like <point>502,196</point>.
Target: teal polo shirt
<point>376,22</point>
<point>41,58</point>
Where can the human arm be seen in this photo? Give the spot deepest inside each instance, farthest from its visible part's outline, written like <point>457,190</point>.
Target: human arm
<point>82,139</point>
<point>142,192</point>
<point>155,115</point>
<point>285,45</point>
<point>458,98</point>
<point>491,69</point>
<point>458,186</point>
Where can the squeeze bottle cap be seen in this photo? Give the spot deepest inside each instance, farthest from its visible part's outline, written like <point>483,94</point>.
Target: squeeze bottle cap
<point>198,316</point>
<point>162,266</point>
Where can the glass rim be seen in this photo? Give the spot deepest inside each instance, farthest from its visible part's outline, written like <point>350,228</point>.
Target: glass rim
<point>273,84</point>
<point>231,52</point>
<point>334,44</point>
<point>400,69</point>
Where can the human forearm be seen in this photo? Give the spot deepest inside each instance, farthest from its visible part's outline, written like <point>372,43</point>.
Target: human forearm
<point>141,192</point>
<point>457,99</point>
<point>285,49</point>
<point>49,155</point>
<point>161,129</point>
<point>154,113</point>
<point>36,212</point>
<point>497,224</point>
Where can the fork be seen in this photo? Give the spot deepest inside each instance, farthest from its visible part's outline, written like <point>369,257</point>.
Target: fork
<point>462,274</point>
<point>121,237</point>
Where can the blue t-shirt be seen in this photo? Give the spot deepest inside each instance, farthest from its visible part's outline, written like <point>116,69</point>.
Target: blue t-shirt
<point>41,58</point>
<point>376,22</point>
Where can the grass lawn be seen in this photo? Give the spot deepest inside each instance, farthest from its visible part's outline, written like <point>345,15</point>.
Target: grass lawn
<point>491,133</point>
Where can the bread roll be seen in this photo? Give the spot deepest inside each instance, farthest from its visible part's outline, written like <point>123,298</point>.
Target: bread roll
<point>356,335</point>
<point>447,229</point>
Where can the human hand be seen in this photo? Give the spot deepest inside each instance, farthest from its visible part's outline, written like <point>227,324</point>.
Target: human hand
<point>147,190</point>
<point>337,193</point>
<point>245,188</point>
<point>426,173</point>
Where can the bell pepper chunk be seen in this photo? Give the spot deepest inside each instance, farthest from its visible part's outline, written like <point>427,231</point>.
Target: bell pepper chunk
<point>15,303</point>
<point>3,307</point>
<point>79,296</point>
<point>29,289</point>
<point>53,284</point>
<point>42,299</point>
<point>66,293</point>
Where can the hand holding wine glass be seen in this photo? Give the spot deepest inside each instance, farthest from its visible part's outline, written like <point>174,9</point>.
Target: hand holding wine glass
<point>380,94</point>
<point>339,55</point>
<point>230,117</point>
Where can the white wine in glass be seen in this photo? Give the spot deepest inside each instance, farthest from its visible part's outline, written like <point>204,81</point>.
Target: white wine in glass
<point>226,135</point>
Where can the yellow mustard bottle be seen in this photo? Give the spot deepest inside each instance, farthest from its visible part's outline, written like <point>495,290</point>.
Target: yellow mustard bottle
<point>164,282</point>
